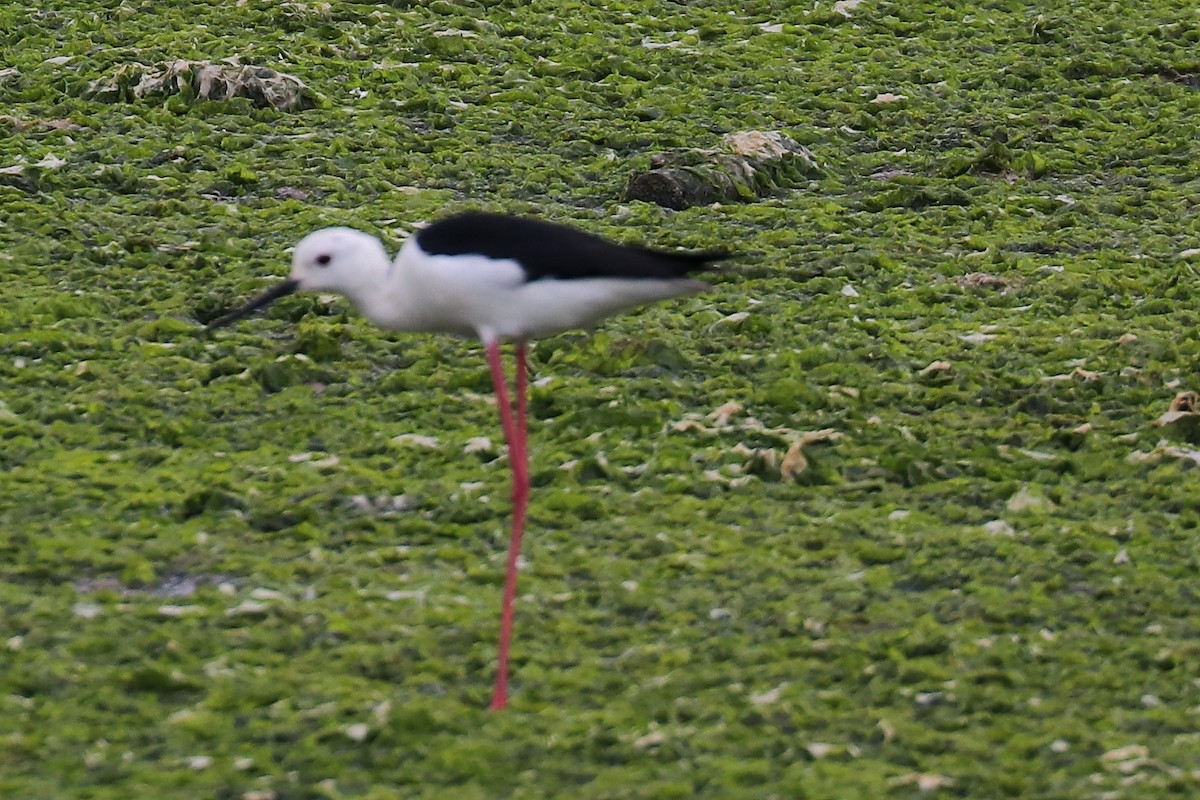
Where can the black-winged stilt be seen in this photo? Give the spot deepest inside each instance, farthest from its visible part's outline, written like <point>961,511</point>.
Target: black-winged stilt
<point>499,278</point>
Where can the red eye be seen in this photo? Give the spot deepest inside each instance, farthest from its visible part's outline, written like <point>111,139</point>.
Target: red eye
<point>324,259</point>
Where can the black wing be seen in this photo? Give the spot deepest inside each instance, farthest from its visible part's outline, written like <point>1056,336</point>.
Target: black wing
<point>549,250</point>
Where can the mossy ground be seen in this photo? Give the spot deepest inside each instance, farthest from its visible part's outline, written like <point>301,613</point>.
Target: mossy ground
<point>986,588</point>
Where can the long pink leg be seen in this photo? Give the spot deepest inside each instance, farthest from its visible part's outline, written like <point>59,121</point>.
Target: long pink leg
<point>523,394</point>
<point>521,499</point>
<point>518,462</point>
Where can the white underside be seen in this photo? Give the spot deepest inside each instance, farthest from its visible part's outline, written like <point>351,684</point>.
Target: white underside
<point>489,298</point>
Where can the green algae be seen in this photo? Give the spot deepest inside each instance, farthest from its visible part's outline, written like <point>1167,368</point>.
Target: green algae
<point>210,587</point>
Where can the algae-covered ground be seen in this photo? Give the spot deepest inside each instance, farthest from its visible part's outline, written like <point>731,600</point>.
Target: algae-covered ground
<point>267,564</point>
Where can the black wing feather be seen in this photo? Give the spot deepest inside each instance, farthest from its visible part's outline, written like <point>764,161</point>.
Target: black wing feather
<point>549,250</point>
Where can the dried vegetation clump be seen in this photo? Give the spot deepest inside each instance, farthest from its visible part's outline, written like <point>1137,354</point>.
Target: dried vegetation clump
<point>204,80</point>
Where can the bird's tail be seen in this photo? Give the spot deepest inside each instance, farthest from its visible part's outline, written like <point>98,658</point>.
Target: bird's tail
<point>685,262</point>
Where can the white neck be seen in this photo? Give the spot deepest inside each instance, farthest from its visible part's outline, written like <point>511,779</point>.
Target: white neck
<point>366,286</point>
<point>380,294</point>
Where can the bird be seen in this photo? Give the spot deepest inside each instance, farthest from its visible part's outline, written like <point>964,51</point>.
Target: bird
<point>499,278</point>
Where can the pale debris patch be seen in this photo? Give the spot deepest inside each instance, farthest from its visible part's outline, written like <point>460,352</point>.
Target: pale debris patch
<point>1191,252</point>
<point>382,504</point>
<point>50,161</point>
<point>1025,500</point>
<point>178,611</point>
<point>845,7</point>
<point>715,476</point>
<point>735,318</point>
<point>924,781</point>
<point>416,440</point>
<point>478,444</point>
<point>182,716</point>
<point>935,367</point>
<point>397,595</point>
<point>794,462</point>
<point>768,697</point>
<point>182,247</point>
<point>998,527</point>
<point>725,412</point>
<point>649,44</point>
<point>977,338</point>
<point>820,749</point>
<point>1079,373</point>
<point>313,460</point>
<point>1144,456</point>
<point>1183,405</point>
<point>849,291</point>
<point>1128,758</point>
<point>887,98</point>
<point>729,418</point>
<point>1163,449</point>
<point>303,8</point>
<point>694,422</point>
<point>766,146</point>
<point>982,280</point>
<point>1182,452</point>
<point>1037,455</point>
<point>357,732</point>
<point>219,669</point>
<point>87,610</point>
<point>205,80</point>
<point>247,608</point>
<point>844,391</point>
<point>651,739</point>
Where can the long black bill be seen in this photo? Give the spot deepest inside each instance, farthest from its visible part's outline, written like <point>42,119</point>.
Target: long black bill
<point>267,297</point>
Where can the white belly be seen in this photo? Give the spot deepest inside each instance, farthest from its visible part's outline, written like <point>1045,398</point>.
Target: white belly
<point>489,298</point>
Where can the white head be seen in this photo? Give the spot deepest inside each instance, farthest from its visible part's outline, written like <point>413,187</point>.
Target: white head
<point>342,260</point>
<point>339,260</point>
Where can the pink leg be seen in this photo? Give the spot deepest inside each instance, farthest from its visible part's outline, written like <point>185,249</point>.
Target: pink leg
<point>521,497</point>
<point>523,401</point>
<point>518,461</point>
